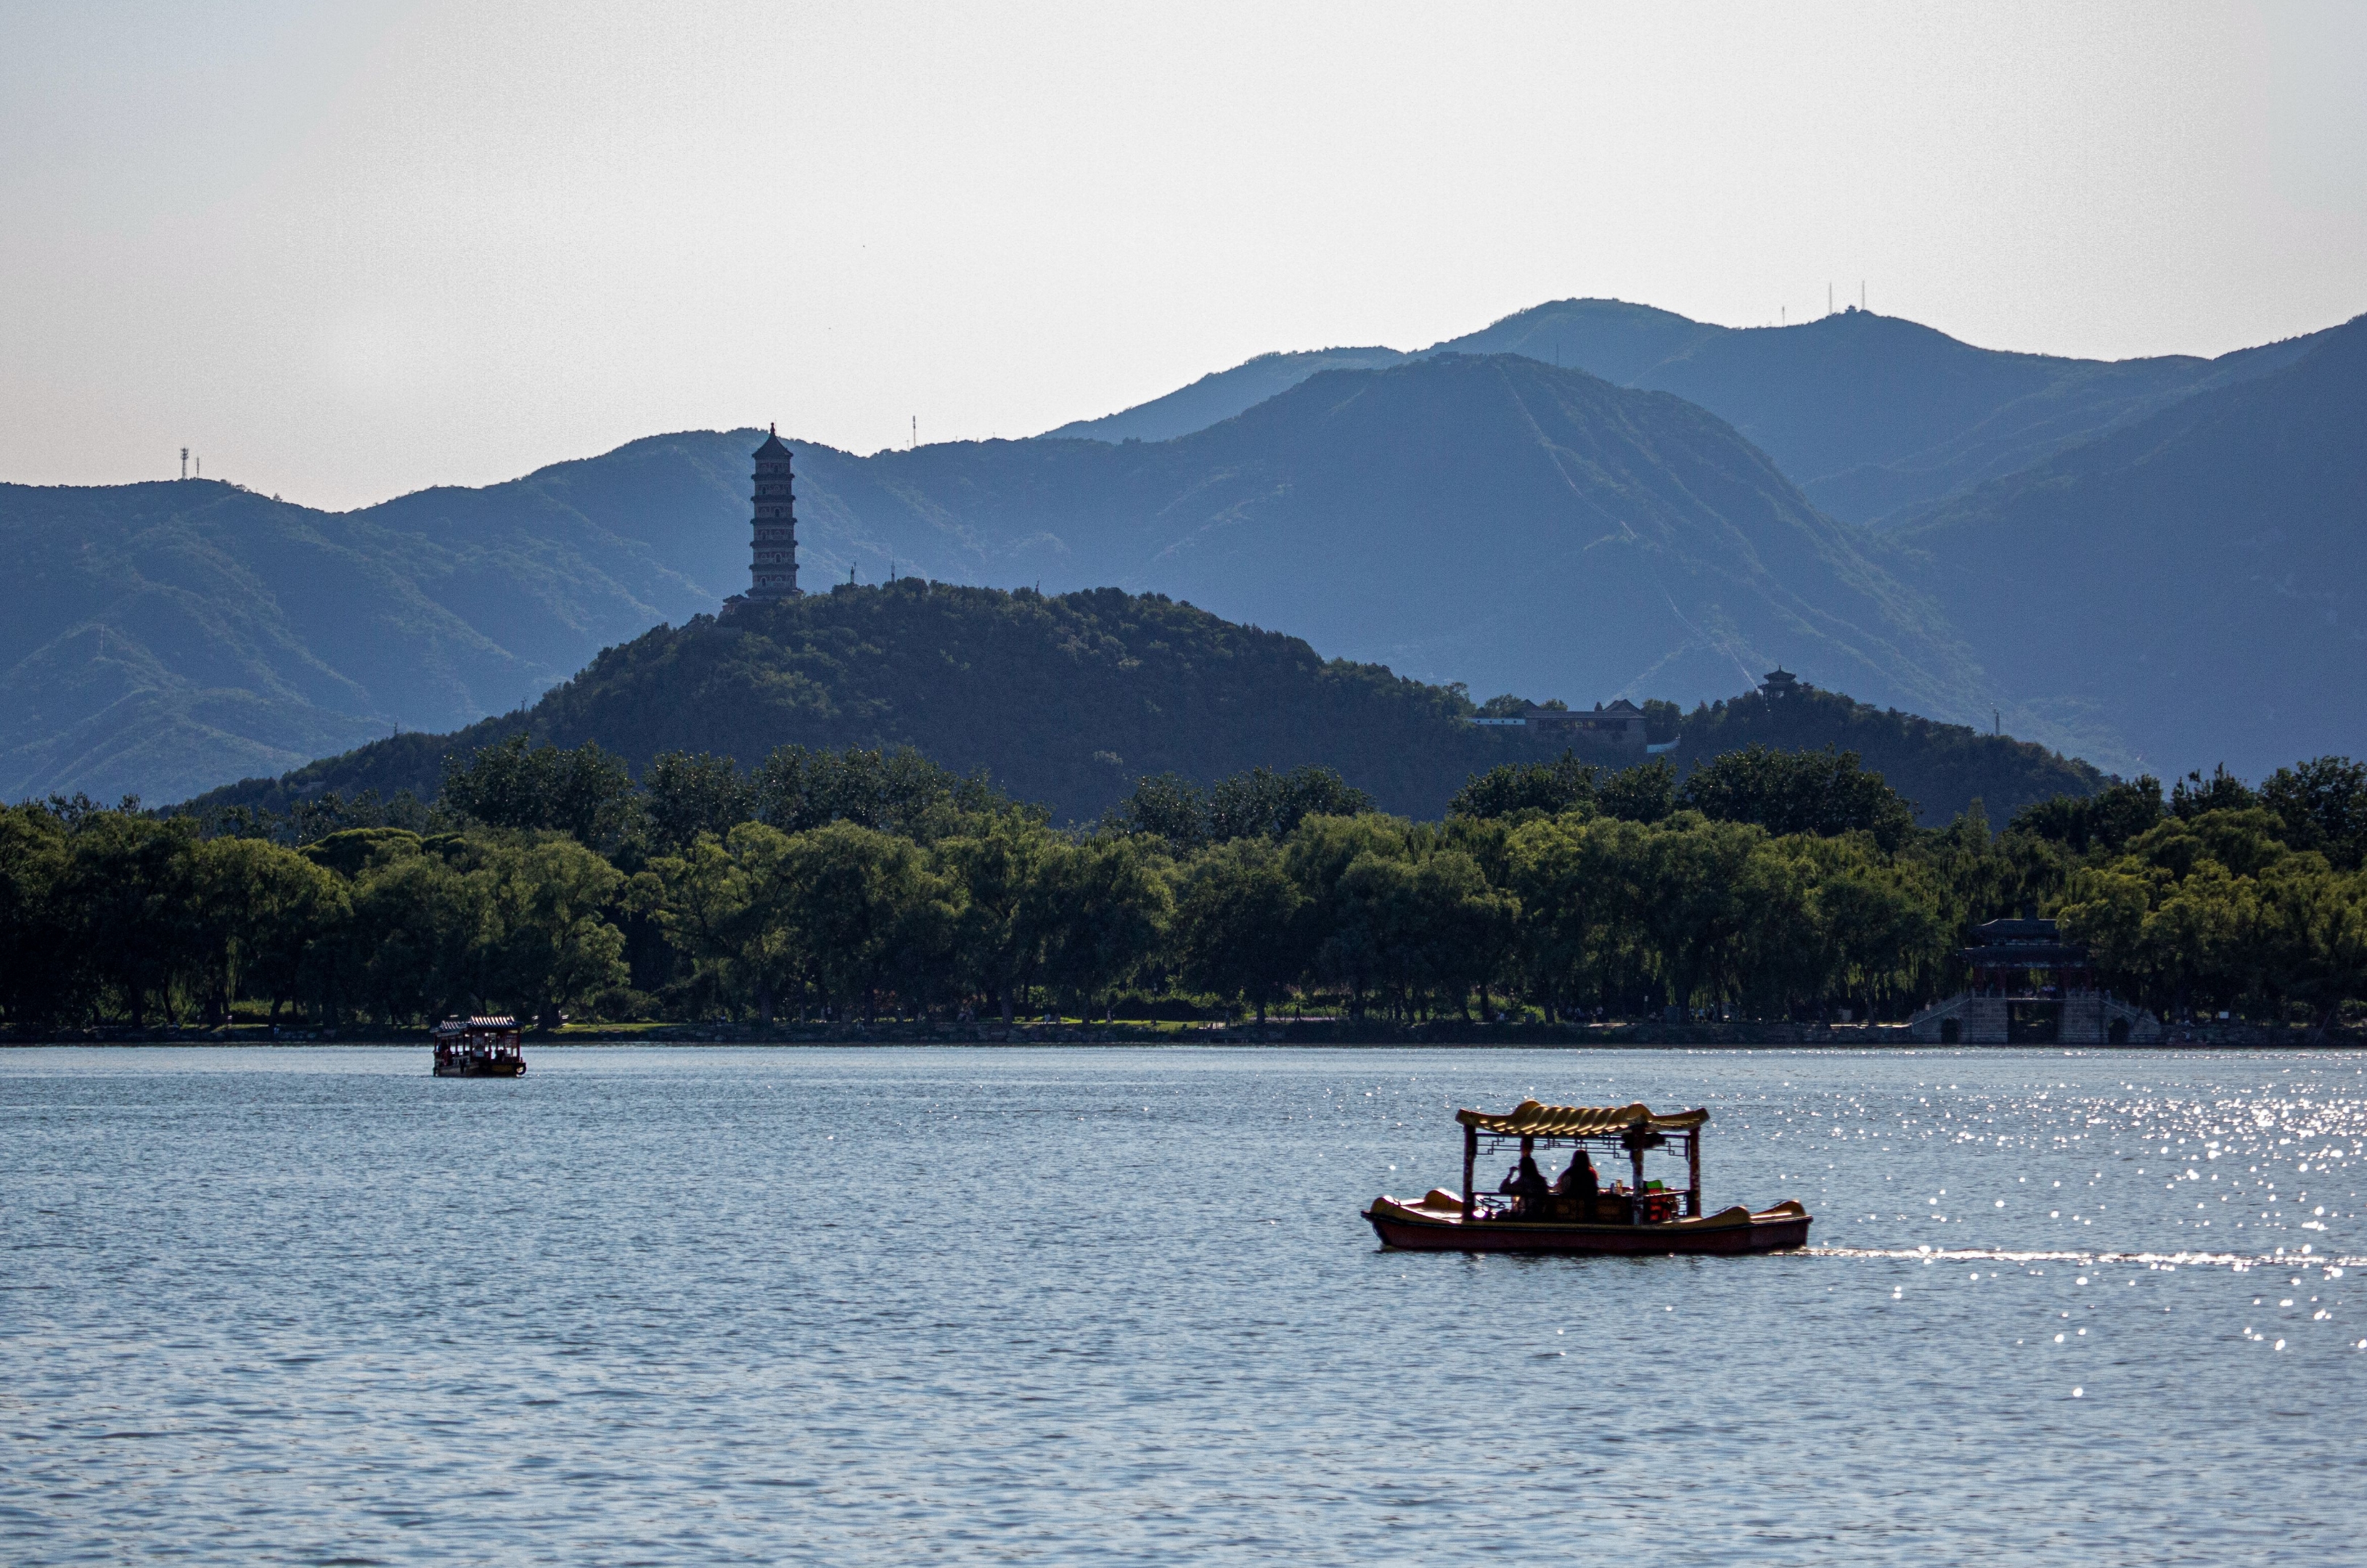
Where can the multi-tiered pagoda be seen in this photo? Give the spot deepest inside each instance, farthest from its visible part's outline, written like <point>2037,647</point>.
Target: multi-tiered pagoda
<point>773,567</point>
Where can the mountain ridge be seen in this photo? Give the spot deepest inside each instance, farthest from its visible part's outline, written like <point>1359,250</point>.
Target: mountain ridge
<point>1813,396</point>
<point>2229,522</point>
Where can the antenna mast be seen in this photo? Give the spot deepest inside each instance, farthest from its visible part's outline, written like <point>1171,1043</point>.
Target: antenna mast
<point>185,463</point>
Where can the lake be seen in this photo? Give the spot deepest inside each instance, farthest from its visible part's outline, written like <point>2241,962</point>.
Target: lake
<point>1116,1306</point>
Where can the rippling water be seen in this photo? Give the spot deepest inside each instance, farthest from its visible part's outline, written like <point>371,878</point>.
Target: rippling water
<point>910,1305</point>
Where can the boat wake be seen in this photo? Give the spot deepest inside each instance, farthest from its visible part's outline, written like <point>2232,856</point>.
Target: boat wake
<point>2238,1261</point>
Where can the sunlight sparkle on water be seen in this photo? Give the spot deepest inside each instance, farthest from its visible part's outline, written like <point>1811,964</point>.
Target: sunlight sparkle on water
<point>862,1306</point>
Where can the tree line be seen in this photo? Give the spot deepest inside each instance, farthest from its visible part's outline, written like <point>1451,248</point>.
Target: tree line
<point>547,881</point>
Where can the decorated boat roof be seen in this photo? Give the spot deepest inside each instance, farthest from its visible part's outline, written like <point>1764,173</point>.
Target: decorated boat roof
<point>1531,1118</point>
<point>458,1025</point>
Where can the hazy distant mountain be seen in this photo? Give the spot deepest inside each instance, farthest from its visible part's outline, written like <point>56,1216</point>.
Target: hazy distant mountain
<point>2197,582</point>
<point>1222,394</point>
<point>1068,700</point>
<point>1866,413</point>
<point>160,638</point>
<point>1611,338</point>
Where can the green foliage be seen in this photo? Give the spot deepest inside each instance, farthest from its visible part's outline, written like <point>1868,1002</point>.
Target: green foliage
<point>584,793</point>
<point>129,890</point>
<point>348,850</point>
<point>1513,788</point>
<point>1110,904</point>
<point>1239,930</point>
<point>2323,805</point>
<point>42,966</point>
<point>1259,804</point>
<point>1169,808</point>
<point>2230,906</point>
<point>1003,924</point>
<point>1645,792</point>
<point>867,912</point>
<point>1822,792</point>
<point>2223,792</point>
<point>259,907</point>
<point>1770,884</point>
<point>2104,820</point>
<point>549,945</point>
<point>894,790</point>
<point>685,796</point>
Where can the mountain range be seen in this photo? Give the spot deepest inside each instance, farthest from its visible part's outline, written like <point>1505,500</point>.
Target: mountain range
<point>2203,569</point>
<point>1870,416</point>
<point>2143,564</point>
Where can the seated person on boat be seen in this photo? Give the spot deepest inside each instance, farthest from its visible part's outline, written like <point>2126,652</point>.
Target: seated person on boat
<point>1577,1187</point>
<point>1526,1185</point>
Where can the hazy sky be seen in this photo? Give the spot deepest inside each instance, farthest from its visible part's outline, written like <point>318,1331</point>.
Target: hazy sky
<point>349,250</point>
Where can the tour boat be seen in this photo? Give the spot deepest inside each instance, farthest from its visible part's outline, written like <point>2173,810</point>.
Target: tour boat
<point>478,1047</point>
<point>1631,1217</point>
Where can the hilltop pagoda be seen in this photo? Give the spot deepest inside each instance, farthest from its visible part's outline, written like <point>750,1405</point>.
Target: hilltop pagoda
<point>773,565</point>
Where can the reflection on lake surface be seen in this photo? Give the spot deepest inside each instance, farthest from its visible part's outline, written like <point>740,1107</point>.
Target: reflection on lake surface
<point>908,1305</point>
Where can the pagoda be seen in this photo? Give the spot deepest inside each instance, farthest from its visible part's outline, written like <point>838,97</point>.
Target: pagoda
<point>773,565</point>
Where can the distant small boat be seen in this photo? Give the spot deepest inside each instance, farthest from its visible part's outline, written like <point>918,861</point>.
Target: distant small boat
<point>1576,1217</point>
<point>478,1047</point>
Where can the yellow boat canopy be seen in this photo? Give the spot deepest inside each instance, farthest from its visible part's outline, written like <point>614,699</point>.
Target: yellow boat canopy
<point>1529,1119</point>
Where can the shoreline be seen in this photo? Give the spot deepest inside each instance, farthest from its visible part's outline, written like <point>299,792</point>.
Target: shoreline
<point>1304,1033</point>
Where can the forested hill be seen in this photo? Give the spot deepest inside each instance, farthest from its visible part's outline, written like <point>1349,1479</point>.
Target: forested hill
<point>1064,700</point>
<point>1940,768</point>
<point>1068,699</point>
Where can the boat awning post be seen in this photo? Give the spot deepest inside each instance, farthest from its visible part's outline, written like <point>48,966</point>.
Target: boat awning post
<point>1692,1168</point>
<point>1470,1156</point>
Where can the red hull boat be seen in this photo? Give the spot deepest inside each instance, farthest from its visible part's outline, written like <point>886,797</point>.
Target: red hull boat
<point>1737,1230</point>
<point>1574,1217</point>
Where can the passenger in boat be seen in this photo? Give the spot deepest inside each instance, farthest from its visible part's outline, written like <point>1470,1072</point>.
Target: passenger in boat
<point>1574,1190</point>
<point>1527,1186</point>
<point>1579,1180</point>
